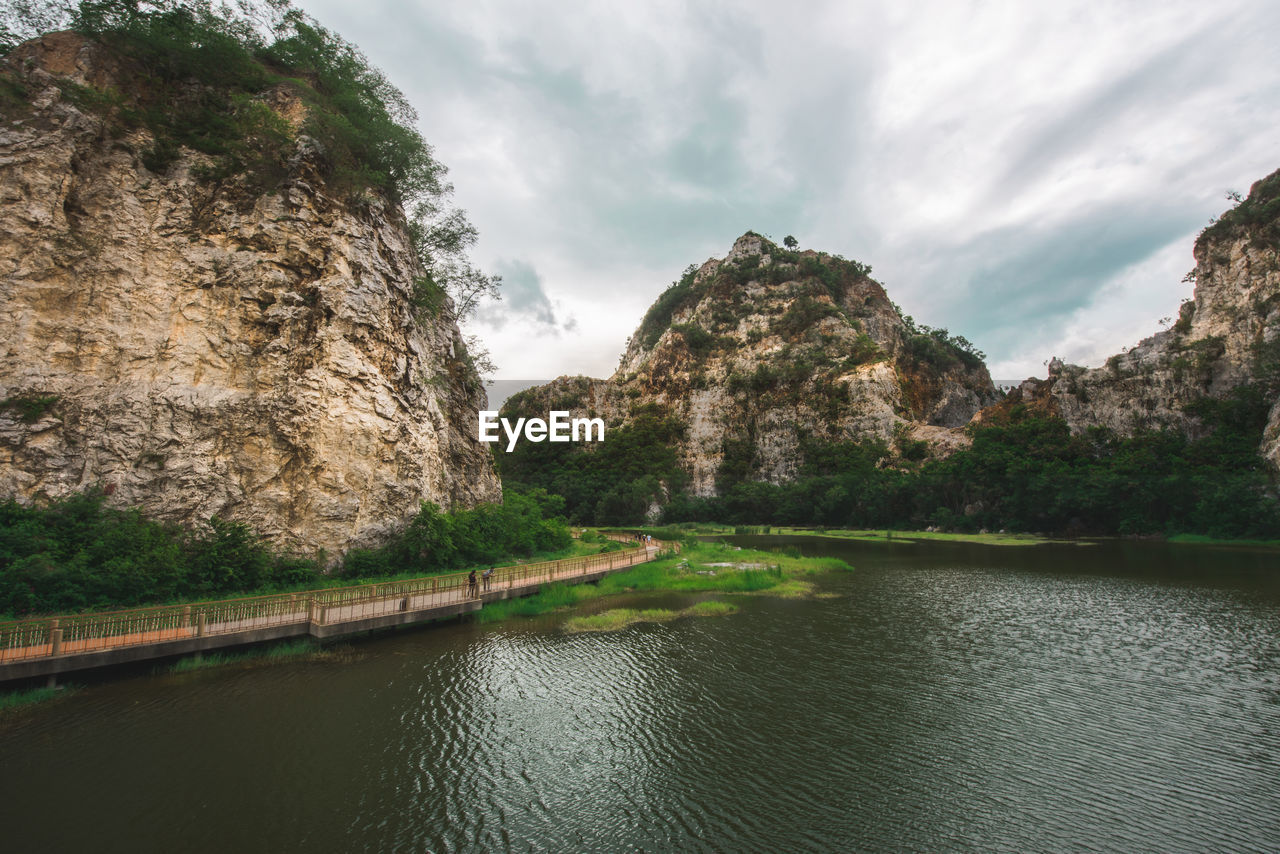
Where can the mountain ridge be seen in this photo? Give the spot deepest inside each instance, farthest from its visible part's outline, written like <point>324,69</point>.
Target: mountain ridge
<point>770,365</point>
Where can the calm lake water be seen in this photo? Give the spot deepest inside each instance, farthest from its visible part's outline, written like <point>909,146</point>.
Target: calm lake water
<point>1119,697</point>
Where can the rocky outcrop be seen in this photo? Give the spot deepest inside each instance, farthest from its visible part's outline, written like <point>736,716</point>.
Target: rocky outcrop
<point>761,351</point>
<point>1225,337</point>
<point>198,347</point>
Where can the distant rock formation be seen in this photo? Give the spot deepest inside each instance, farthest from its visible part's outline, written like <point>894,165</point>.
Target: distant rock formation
<point>766,348</point>
<point>1226,336</point>
<point>195,347</point>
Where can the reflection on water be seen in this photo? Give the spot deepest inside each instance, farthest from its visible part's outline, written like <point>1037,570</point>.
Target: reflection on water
<point>1122,697</point>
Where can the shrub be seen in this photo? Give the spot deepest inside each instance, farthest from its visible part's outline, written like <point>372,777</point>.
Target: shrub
<point>1258,216</point>
<point>698,340</point>
<point>802,314</point>
<point>30,408</point>
<point>77,553</point>
<point>657,319</point>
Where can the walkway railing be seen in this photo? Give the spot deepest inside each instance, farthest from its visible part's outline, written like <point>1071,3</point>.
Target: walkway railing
<point>47,637</point>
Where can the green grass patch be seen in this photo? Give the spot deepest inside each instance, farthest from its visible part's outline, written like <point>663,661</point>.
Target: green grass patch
<point>620,618</point>
<point>550,598</point>
<point>710,608</point>
<point>695,570</point>
<point>790,588</point>
<point>684,530</point>
<point>711,566</point>
<point>722,568</point>
<point>13,701</point>
<point>304,649</point>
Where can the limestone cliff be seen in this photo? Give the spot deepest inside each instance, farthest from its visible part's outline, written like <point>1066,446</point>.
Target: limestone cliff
<point>197,346</point>
<point>767,348</point>
<point>1225,337</point>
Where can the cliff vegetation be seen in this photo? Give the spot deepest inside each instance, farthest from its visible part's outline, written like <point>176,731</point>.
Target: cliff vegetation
<point>231,277</point>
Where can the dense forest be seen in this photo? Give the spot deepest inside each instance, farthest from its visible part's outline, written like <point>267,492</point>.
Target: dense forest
<point>1029,474</point>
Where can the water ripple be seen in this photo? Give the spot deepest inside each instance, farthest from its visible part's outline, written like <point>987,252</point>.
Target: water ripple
<point>963,702</point>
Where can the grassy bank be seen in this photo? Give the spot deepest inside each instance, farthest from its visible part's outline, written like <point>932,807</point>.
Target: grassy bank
<point>305,649</point>
<point>1197,539</point>
<point>14,701</point>
<point>868,534</point>
<point>882,535</point>
<point>701,568</point>
<point>1002,539</point>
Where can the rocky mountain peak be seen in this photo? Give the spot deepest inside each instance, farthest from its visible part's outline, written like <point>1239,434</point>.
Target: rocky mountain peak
<point>768,348</point>
<point>747,245</point>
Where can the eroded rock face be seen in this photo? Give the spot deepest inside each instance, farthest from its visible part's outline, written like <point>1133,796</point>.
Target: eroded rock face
<point>766,349</point>
<point>1227,336</point>
<point>198,348</point>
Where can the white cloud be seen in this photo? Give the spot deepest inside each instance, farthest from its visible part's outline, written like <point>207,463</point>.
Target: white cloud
<point>1007,168</point>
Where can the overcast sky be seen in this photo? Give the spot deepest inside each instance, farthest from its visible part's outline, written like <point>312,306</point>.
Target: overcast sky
<point>1029,175</point>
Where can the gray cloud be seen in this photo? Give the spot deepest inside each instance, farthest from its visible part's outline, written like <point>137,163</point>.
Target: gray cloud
<point>1005,169</point>
<point>1023,281</point>
<point>523,298</point>
<point>1154,86</point>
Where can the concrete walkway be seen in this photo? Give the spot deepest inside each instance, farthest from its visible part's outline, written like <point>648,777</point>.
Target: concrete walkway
<point>50,646</point>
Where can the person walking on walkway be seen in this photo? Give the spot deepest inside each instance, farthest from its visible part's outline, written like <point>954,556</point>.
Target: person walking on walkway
<point>486,575</point>
<point>471,584</point>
